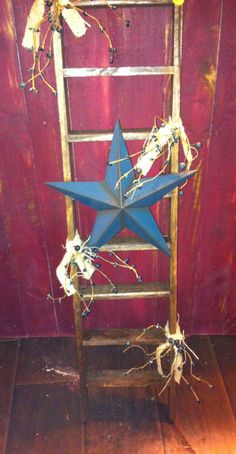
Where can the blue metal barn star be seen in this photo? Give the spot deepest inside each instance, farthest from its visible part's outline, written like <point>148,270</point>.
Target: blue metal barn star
<point>115,212</point>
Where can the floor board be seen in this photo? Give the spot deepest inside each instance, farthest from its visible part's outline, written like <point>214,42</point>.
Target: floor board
<point>125,421</point>
<point>44,415</point>
<point>122,420</point>
<point>46,360</point>
<point>8,362</point>
<point>225,350</point>
<point>45,420</point>
<point>208,427</point>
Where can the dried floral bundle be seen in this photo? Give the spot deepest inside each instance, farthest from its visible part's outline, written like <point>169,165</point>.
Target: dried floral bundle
<point>179,354</point>
<point>82,261</point>
<point>40,42</point>
<point>158,144</point>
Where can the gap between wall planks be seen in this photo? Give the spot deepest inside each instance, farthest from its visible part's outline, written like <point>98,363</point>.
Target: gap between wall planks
<point>208,113</point>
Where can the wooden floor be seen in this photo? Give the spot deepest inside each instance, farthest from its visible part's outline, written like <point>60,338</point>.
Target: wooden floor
<point>39,404</point>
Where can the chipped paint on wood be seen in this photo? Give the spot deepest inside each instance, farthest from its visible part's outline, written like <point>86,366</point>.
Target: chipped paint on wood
<point>33,219</point>
<point>196,187</point>
<point>210,77</point>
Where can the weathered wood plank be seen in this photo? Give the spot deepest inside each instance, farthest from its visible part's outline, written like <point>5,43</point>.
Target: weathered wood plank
<point>207,263</point>
<point>209,426</point>
<point>127,244</point>
<point>125,421</point>
<point>225,348</point>
<point>128,2</point>
<point>19,198</point>
<point>121,337</point>
<point>147,290</point>
<point>58,355</point>
<point>121,419</point>
<point>45,419</point>
<point>215,273</point>
<point>118,72</point>
<point>94,136</point>
<point>118,378</point>
<point>34,158</point>
<point>8,363</point>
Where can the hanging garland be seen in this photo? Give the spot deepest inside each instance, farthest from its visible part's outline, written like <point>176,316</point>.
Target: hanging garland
<point>179,354</point>
<point>86,260</point>
<point>40,43</point>
<point>158,144</point>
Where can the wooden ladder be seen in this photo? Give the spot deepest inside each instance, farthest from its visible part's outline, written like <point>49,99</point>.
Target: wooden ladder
<point>149,290</point>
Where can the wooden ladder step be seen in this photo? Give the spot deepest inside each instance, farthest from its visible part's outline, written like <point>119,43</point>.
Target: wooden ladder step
<point>128,291</point>
<point>102,337</point>
<point>119,71</point>
<point>125,243</point>
<point>116,378</point>
<point>106,135</point>
<point>128,3</point>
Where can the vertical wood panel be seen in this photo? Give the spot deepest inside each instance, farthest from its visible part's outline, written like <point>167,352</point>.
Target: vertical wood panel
<point>20,201</point>
<point>33,216</point>
<point>216,272</point>
<point>198,84</point>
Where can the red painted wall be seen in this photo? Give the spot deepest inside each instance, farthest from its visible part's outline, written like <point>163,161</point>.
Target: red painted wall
<point>33,216</point>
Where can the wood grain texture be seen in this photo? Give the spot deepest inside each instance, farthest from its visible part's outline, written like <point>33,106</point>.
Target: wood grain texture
<point>224,348</point>
<point>217,283</point>
<point>207,236</point>
<point>45,417</point>
<point>119,379</point>
<point>209,426</point>
<point>32,217</point>
<point>49,423</point>
<point>116,416</point>
<point>8,364</point>
<point>128,291</point>
<point>124,421</point>
<point>21,195</point>
<point>122,337</point>
<point>38,355</point>
<point>200,52</point>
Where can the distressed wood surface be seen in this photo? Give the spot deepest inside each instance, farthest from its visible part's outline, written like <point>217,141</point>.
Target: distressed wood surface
<point>32,221</point>
<point>149,290</point>
<point>195,429</point>
<point>122,336</point>
<point>49,423</point>
<point>8,365</point>
<point>207,237</point>
<point>44,415</point>
<point>124,419</point>
<point>44,361</point>
<point>224,348</point>
<point>118,430</point>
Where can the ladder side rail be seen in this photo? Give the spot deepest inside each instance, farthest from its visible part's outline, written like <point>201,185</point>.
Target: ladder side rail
<point>177,39</point>
<point>70,208</point>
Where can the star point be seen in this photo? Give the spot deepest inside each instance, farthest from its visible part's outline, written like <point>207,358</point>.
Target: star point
<point>115,211</point>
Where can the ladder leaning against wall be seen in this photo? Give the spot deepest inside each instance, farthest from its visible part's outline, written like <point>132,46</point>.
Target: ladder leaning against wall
<point>155,290</point>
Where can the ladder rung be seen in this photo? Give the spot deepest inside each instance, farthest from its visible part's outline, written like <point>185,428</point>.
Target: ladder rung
<point>124,243</point>
<point>115,378</point>
<point>102,337</point>
<point>128,291</point>
<point>127,3</point>
<point>120,71</point>
<point>98,136</point>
